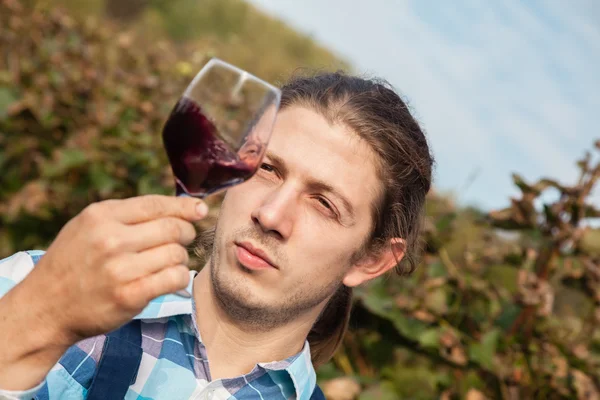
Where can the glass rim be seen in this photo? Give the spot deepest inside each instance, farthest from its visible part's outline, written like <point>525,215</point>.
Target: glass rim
<point>245,74</point>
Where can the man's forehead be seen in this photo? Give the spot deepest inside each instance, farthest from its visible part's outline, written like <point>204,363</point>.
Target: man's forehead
<point>300,125</point>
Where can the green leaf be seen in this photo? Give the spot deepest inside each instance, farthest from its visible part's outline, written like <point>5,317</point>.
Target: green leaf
<point>471,381</point>
<point>445,221</point>
<point>437,269</point>
<point>437,300</point>
<point>483,351</point>
<point>503,276</point>
<point>69,158</point>
<point>328,371</point>
<point>72,158</point>
<point>430,338</point>
<point>383,306</point>
<point>376,299</point>
<point>410,327</point>
<point>102,181</point>
<point>7,97</point>
<point>510,312</point>
<point>383,391</point>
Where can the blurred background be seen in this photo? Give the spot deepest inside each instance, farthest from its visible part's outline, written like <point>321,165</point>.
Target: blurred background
<point>506,301</point>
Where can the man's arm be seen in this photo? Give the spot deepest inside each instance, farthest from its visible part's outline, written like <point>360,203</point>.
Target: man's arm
<point>102,269</point>
<point>29,343</point>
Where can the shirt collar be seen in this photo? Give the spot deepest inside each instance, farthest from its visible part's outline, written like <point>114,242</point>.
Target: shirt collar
<point>301,371</point>
<point>299,367</point>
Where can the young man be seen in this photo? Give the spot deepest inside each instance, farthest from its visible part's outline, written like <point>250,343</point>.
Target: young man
<point>337,202</point>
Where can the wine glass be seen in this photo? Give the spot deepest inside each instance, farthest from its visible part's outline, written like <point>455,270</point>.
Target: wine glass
<point>217,133</point>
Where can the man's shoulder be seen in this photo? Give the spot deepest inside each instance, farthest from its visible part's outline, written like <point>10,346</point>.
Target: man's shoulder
<point>15,268</point>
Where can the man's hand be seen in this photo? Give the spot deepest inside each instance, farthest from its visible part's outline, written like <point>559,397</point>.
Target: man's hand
<point>103,268</point>
<point>108,262</point>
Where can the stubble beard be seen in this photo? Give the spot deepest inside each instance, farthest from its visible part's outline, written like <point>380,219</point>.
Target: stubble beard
<point>233,295</point>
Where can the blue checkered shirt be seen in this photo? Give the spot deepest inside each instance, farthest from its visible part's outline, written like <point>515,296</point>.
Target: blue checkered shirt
<point>174,363</point>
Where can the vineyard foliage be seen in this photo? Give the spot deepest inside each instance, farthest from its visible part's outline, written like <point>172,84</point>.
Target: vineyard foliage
<point>504,304</point>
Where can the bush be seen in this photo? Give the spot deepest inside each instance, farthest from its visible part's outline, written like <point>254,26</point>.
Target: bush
<point>486,314</point>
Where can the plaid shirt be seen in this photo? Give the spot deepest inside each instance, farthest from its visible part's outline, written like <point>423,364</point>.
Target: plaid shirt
<point>174,363</point>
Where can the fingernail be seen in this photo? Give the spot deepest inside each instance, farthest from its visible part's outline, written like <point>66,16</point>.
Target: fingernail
<point>202,209</point>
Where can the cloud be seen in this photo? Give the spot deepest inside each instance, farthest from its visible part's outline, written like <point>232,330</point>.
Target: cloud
<point>500,86</point>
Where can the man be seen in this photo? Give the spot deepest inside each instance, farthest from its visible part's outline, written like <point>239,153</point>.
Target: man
<point>337,202</point>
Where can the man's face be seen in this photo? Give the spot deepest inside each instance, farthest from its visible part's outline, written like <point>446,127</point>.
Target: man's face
<point>308,209</point>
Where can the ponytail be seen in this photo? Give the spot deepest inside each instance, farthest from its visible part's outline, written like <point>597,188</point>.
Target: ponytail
<point>329,330</point>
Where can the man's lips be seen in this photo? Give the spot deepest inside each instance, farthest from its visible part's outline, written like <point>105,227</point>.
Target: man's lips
<point>252,257</point>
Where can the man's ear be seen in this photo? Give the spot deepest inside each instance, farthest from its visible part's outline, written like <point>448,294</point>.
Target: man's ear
<point>372,266</point>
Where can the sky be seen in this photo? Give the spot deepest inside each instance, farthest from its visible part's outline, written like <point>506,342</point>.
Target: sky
<point>499,86</point>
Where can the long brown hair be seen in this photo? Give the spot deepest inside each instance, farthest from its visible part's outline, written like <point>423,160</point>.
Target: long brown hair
<point>377,114</point>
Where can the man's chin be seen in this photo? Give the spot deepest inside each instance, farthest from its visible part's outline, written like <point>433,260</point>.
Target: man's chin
<point>240,303</point>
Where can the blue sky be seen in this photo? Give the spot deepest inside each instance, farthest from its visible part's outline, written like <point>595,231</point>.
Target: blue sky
<point>500,86</point>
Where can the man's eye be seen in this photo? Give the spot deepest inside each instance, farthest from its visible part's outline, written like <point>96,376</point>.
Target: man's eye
<point>329,208</point>
<point>325,203</point>
<point>267,167</point>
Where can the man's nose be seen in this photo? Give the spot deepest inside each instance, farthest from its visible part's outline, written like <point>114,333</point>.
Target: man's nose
<point>275,215</point>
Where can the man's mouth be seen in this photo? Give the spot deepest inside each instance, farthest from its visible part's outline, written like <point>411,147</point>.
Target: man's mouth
<point>253,257</point>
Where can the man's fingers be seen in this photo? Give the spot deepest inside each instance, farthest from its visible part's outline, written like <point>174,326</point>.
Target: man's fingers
<point>148,235</point>
<point>146,208</point>
<point>145,263</point>
<point>168,280</point>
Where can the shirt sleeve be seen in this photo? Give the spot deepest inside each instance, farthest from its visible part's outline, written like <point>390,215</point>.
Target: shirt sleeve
<point>13,270</point>
<point>20,394</point>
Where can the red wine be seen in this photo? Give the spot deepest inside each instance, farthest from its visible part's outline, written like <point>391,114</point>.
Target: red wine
<point>201,162</point>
